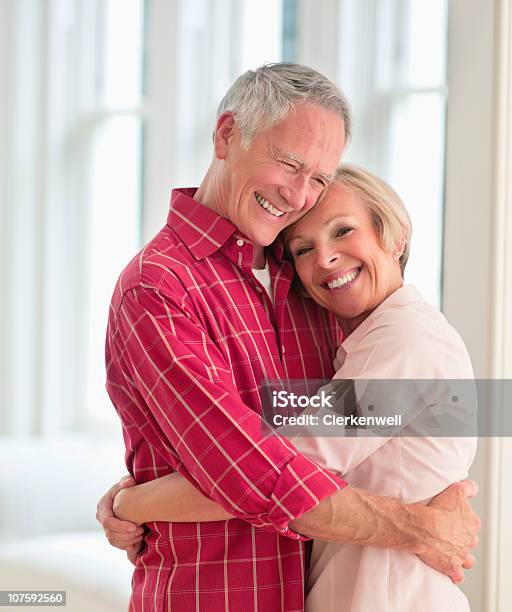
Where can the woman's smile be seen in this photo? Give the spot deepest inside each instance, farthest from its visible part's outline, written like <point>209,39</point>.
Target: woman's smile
<point>341,279</point>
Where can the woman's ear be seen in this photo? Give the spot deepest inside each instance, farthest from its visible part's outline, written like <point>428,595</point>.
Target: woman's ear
<point>224,134</point>
<point>399,249</point>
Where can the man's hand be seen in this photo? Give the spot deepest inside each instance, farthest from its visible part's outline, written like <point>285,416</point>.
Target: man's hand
<point>125,535</point>
<point>441,533</point>
<point>455,528</point>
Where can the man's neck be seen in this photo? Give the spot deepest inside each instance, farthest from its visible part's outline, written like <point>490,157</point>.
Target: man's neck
<point>208,190</point>
<point>206,194</point>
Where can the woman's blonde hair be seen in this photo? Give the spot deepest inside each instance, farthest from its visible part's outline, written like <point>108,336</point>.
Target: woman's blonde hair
<point>388,212</point>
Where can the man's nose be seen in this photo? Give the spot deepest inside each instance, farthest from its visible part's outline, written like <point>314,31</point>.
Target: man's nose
<point>296,193</point>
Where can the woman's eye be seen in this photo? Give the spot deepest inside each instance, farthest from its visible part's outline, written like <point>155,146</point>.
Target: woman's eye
<point>343,231</point>
<point>302,251</point>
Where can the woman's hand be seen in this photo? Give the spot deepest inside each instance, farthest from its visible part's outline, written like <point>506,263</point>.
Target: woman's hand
<point>171,498</point>
<point>122,534</point>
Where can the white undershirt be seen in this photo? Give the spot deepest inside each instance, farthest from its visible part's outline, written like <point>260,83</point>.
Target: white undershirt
<point>263,276</point>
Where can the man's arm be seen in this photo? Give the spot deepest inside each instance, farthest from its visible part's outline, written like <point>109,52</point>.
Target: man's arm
<point>441,533</point>
<point>169,380</point>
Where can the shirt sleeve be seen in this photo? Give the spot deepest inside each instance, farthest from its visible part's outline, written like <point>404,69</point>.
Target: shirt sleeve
<point>188,409</point>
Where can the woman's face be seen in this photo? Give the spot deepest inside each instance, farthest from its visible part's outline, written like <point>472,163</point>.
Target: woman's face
<point>339,258</point>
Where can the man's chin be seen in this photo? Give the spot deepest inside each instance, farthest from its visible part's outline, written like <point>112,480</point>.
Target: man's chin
<point>263,240</point>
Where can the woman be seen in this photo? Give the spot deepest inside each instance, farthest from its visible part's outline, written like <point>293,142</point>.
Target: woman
<point>350,253</point>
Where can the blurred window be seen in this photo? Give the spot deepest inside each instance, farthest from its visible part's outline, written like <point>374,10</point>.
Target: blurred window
<point>400,112</point>
<point>389,58</point>
<point>113,133</point>
<point>410,102</point>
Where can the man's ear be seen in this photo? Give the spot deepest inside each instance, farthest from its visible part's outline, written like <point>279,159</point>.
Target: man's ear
<point>225,131</point>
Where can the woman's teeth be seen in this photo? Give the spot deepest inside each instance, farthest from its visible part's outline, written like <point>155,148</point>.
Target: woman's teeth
<point>268,206</point>
<point>343,280</point>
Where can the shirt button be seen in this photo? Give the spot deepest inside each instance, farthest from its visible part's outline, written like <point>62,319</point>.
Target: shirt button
<point>282,349</point>
<point>259,289</point>
<point>240,243</point>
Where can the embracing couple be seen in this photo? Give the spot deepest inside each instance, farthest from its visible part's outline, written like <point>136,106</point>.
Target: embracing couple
<point>281,265</point>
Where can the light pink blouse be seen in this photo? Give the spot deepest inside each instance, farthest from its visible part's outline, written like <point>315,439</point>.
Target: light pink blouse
<point>404,338</point>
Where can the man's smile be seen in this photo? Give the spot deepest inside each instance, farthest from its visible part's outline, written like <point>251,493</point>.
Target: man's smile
<point>268,206</point>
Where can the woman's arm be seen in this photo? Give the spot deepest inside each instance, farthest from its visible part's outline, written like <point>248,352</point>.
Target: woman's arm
<point>171,498</point>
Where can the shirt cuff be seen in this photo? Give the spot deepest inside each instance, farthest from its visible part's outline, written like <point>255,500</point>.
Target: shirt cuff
<point>301,487</point>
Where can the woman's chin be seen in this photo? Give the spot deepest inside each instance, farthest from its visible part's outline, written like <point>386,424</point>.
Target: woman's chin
<point>345,309</point>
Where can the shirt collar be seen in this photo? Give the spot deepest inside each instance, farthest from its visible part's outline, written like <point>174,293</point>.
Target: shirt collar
<point>203,231</point>
<point>407,294</point>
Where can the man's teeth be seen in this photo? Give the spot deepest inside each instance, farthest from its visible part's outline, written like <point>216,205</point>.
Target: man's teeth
<point>343,280</point>
<point>266,204</point>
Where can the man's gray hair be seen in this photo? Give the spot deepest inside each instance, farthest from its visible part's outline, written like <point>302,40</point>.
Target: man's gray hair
<point>263,97</point>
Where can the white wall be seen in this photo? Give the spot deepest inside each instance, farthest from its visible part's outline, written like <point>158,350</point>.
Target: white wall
<point>477,255</point>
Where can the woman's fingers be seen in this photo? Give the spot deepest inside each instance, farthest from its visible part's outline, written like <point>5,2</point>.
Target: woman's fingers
<point>123,541</point>
<point>133,553</point>
<point>126,481</point>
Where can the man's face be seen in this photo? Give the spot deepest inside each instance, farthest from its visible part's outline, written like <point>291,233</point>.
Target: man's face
<point>282,174</point>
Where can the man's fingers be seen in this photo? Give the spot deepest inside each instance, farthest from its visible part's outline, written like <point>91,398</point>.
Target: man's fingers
<point>457,575</point>
<point>478,522</point>
<point>469,488</point>
<point>469,562</point>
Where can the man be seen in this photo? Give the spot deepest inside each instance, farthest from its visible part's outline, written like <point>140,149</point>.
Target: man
<point>193,335</point>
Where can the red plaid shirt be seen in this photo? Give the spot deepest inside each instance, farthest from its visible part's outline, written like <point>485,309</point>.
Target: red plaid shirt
<point>192,335</point>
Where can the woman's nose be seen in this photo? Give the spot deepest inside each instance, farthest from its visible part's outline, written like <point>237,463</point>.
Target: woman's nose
<point>327,258</point>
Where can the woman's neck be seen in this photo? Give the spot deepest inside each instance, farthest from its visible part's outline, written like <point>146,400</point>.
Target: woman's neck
<point>349,325</point>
